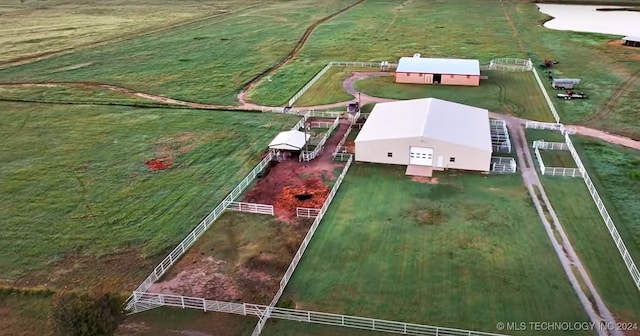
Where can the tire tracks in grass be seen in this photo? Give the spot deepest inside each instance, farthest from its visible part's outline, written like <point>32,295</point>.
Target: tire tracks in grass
<point>612,102</point>
<point>150,30</point>
<point>243,95</point>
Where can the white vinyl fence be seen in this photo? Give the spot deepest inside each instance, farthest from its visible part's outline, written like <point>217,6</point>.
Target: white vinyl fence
<point>261,311</point>
<point>626,257</point>
<point>553,171</point>
<point>628,261</point>
<point>303,246</point>
<point>342,141</point>
<point>503,165</point>
<point>179,250</point>
<point>556,116</point>
<point>264,209</point>
<point>307,212</point>
<point>308,156</point>
<point>511,64</point>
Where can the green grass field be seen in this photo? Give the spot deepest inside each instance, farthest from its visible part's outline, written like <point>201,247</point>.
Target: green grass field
<point>72,94</point>
<point>452,249</point>
<point>329,88</point>
<point>557,158</point>
<point>504,92</point>
<point>75,185</point>
<point>388,29</point>
<point>208,61</point>
<point>32,27</point>
<point>24,313</point>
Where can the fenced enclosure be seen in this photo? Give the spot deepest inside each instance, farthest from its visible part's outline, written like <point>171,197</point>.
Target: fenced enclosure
<point>604,213</point>
<point>342,141</point>
<point>511,64</point>
<point>307,212</point>
<point>553,171</point>
<point>556,116</point>
<point>191,238</point>
<point>503,165</point>
<point>310,155</point>
<point>309,84</point>
<point>500,141</point>
<point>264,209</point>
<point>544,126</point>
<point>261,311</point>
<point>303,246</point>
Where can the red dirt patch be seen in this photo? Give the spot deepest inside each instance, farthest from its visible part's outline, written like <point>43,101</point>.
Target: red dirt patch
<point>425,180</point>
<point>311,194</point>
<point>159,163</point>
<point>293,174</point>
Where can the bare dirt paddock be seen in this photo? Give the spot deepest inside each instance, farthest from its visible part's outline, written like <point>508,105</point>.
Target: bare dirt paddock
<point>243,256</point>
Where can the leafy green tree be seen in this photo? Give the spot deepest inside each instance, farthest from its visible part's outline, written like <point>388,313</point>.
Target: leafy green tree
<point>82,314</point>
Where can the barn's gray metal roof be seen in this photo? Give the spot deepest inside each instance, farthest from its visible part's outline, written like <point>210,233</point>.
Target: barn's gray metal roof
<point>444,66</point>
<point>631,38</point>
<point>429,118</point>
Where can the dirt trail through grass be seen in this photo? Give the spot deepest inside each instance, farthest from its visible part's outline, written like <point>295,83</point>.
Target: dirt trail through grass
<point>348,85</point>
<point>243,95</point>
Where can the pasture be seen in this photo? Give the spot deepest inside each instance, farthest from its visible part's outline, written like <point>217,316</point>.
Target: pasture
<point>381,30</point>
<point>77,192</point>
<point>389,245</point>
<point>70,94</point>
<point>34,28</point>
<point>504,92</point>
<point>208,61</point>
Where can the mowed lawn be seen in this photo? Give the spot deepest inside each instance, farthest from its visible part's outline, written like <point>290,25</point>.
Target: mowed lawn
<point>467,252</point>
<point>329,88</point>
<point>78,200</point>
<point>513,93</point>
<point>208,61</point>
<point>384,30</point>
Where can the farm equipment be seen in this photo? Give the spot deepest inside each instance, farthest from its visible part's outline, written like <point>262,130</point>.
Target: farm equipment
<point>572,95</point>
<point>548,63</point>
<point>564,83</point>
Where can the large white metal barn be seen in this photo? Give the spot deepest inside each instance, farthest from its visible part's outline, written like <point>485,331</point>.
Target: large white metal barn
<point>426,134</point>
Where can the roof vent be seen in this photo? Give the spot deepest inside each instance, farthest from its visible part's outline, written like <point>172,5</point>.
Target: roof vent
<point>416,55</point>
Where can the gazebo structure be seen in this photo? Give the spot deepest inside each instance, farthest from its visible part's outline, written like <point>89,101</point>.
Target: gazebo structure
<point>289,141</point>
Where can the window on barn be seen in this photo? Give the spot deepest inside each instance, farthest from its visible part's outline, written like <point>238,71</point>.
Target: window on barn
<point>389,154</point>
<point>408,74</point>
<point>420,75</point>
<point>468,76</point>
<point>452,159</point>
<point>451,76</point>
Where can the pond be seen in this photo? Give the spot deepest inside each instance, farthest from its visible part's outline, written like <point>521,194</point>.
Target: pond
<point>585,18</point>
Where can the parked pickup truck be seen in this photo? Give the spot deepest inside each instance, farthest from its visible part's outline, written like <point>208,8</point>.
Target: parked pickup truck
<point>572,95</point>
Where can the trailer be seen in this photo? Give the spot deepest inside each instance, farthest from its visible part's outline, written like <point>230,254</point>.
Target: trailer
<point>572,95</point>
<point>564,83</point>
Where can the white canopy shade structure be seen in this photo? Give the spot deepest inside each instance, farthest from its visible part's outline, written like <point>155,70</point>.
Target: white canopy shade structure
<point>289,140</point>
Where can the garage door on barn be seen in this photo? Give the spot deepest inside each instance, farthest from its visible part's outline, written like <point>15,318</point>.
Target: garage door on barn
<point>421,156</point>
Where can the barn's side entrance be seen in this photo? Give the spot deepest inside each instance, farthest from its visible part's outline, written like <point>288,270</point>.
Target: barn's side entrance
<point>437,78</point>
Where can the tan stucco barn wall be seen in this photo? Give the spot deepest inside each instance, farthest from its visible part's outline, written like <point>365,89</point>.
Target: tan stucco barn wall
<point>460,80</point>
<point>420,78</point>
<point>466,158</point>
